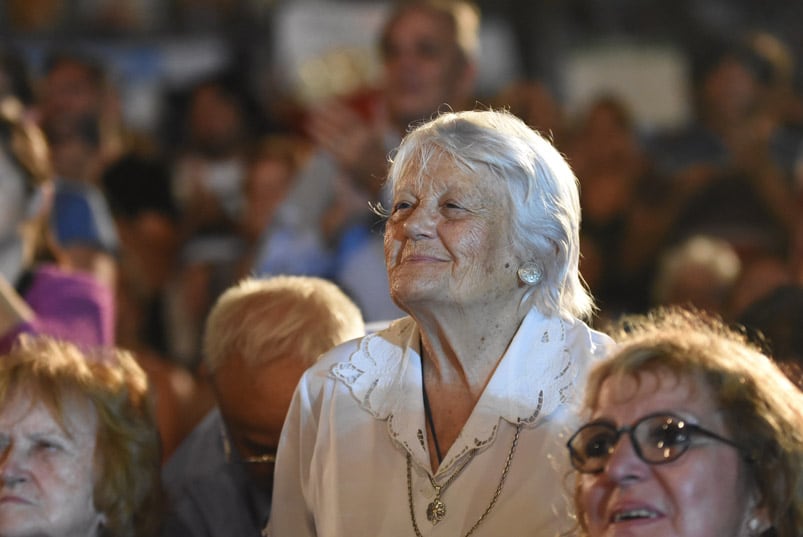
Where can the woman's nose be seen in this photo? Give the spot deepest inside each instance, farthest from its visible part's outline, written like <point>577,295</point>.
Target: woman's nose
<point>12,469</point>
<point>624,465</point>
<point>420,223</point>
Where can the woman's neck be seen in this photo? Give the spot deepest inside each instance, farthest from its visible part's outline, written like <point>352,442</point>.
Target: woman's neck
<point>464,349</point>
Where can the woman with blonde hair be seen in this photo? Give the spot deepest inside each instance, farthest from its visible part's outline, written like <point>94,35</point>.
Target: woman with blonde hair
<point>79,451</point>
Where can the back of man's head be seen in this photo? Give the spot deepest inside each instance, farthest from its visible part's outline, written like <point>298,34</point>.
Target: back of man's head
<point>262,319</point>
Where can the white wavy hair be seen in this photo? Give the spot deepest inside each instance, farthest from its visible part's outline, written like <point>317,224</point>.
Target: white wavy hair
<point>498,146</point>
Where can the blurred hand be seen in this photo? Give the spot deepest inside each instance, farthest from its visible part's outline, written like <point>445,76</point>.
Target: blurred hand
<point>355,140</point>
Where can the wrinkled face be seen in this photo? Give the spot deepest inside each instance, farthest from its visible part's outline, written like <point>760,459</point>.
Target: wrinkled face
<point>423,67</point>
<point>701,494</point>
<point>253,402</point>
<point>448,241</point>
<point>47,472</point>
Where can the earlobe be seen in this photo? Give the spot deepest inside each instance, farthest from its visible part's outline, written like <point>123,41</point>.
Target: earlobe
<point>758,522</point>
<point>102,521</point>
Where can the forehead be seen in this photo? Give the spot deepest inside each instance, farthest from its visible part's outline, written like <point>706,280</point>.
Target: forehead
<point>417,23</point>
<point>21,413</point>
<point>441,175</point>
<point>257,394</point>
<point>654,390</point>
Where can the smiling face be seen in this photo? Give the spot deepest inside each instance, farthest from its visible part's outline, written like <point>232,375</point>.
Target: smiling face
<point>704,493</point>
<point>47,473</point>
<point>448,241</point>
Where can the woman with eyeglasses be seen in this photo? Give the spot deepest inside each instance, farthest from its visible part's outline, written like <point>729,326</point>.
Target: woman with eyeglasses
<point>692,432</point>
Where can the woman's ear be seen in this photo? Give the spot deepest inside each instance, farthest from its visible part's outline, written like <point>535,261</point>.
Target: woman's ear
<point>758,519</point>
<point>757,526</point>
<point>102,522</point>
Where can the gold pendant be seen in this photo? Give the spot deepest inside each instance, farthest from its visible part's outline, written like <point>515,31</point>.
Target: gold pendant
<point>436,510</point>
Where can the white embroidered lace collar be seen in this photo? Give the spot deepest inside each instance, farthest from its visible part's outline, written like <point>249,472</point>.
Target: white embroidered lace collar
<point>533,378</point>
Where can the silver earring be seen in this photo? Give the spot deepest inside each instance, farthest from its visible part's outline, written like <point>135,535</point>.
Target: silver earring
<point>529,273</point>
<point>753,525</point>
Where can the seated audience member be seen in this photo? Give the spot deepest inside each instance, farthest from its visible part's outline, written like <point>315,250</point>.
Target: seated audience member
<point>618,193</point>
<point>757,278</point>
<point>260,337</point>
<point>276,243</point>
<point>693,432</point>
<point>146,218</point>
<point>698,272</point>
<point>774,321</point>
<point>80,451</point>
<point>42,291</point>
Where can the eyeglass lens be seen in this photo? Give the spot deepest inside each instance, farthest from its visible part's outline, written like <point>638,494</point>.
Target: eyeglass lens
<point>656,439</point>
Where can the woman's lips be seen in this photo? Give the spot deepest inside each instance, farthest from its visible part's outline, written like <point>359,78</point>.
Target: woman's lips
<point>421,258</point>
<point>9,499</point>
<point>633,512</point>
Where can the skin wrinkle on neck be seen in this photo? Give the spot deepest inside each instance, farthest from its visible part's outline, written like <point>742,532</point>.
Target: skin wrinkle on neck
<point>454,386</point>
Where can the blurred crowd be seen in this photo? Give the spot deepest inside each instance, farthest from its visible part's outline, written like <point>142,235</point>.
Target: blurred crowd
<point>707,214</point>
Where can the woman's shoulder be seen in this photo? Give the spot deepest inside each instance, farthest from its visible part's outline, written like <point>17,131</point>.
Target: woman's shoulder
<point>365,368</point>
<point>370,351</point>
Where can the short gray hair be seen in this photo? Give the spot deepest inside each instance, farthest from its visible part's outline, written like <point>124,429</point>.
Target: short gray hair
<point>266,318</point>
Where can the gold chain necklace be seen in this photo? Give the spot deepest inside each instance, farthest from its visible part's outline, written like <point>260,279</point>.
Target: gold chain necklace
<point>438,505</point>
<point>436,510</point>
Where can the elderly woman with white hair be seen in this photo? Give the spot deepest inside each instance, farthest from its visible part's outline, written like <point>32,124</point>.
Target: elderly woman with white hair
<point>451,421</point>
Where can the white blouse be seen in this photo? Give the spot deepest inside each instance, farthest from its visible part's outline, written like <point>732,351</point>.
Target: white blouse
<point>355,431</point>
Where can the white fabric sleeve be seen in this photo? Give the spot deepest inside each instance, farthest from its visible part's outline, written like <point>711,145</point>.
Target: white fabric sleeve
<point>291,511</point>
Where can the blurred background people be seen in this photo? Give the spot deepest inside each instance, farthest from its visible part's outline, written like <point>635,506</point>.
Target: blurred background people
<point>692,431</point>
<point>80,451</point>
<point>618,191</point>
<point>275,243</point>
<point>773,320</point>
<point>700,272</point>
<point>260,336</point>
<point>207,183</point>
<point>75,112</point>
<point>428,51</point>
<point>58,298</point>
<point>482,251</point>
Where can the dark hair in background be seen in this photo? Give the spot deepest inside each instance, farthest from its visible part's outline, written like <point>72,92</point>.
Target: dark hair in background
<point>773,322</point>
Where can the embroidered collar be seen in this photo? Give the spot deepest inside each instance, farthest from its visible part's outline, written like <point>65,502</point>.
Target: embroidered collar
<point>534,377</point>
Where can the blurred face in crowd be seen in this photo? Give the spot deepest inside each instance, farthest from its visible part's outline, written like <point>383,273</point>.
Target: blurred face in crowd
<point>253,401</point>
<point>424,67</point>
<point>47,471</point>
<point>70,93</point>
<point>702,493</point>
<point>447,240</point>
<point>730,92</point>
<point>216,121</point>
<point>266,184</point>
